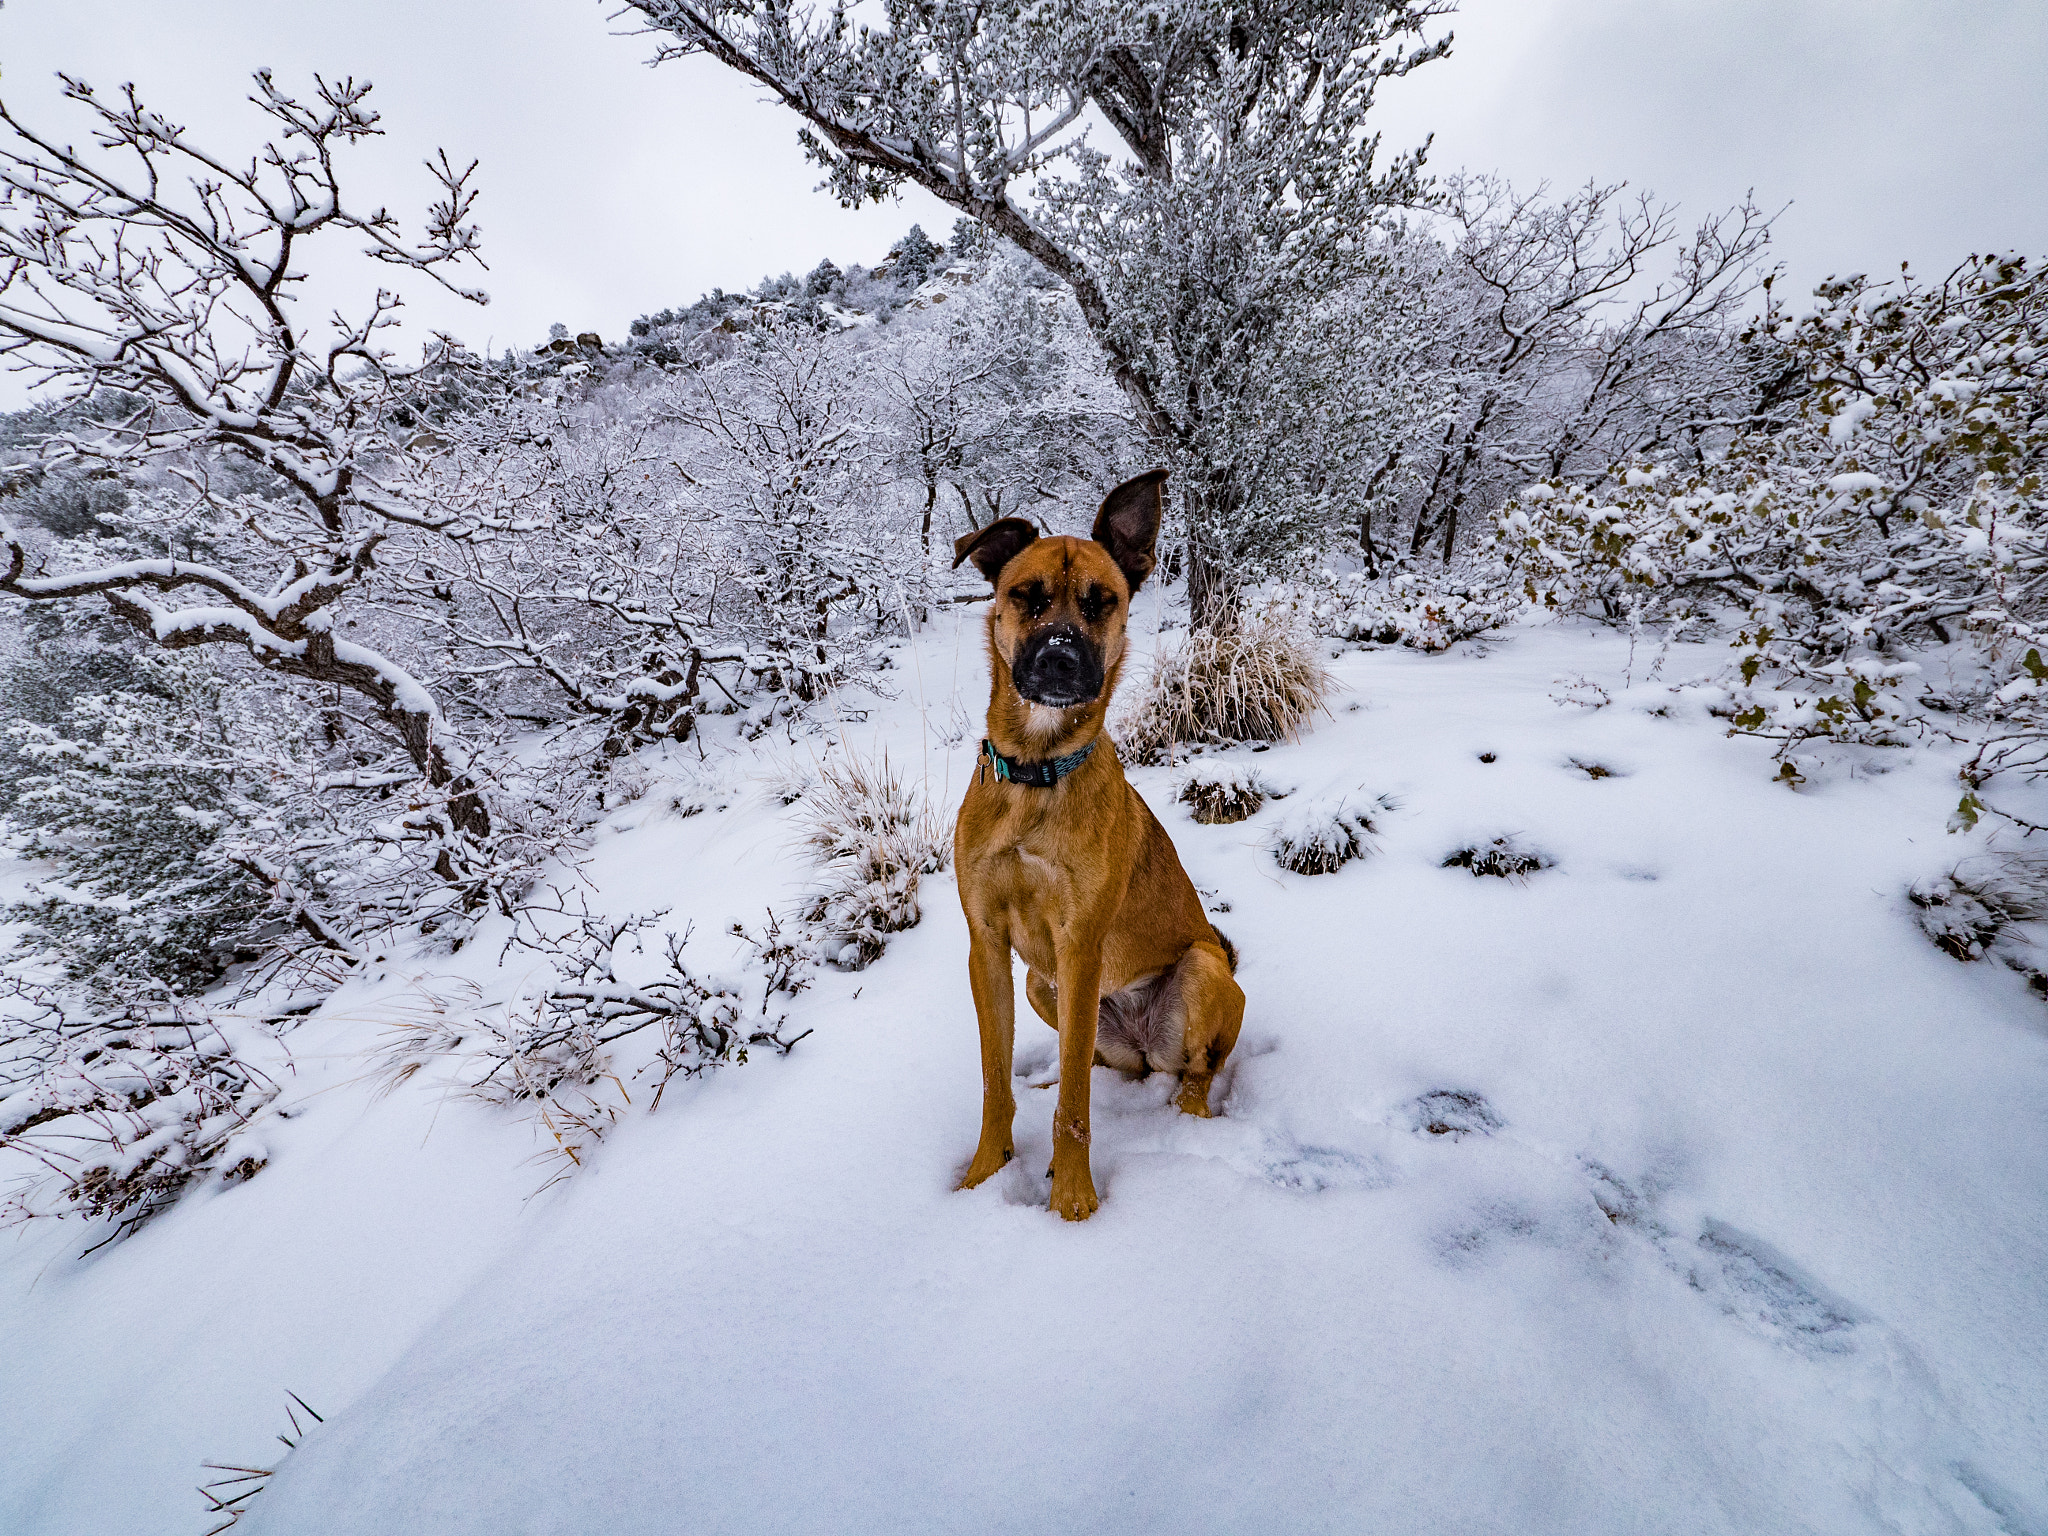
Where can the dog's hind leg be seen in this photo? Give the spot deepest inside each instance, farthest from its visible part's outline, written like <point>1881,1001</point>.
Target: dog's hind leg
<point>1044,1001</point>
<point>1213,1009</point>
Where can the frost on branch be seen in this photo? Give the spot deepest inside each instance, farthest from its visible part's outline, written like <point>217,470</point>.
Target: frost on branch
<point>151,271</point>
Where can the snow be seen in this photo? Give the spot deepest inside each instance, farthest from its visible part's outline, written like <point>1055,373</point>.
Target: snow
<point>1682,1186</point>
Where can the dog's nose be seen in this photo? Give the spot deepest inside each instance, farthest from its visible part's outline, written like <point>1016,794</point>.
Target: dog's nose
<point>1060,660</point>
<point>1058,666</point>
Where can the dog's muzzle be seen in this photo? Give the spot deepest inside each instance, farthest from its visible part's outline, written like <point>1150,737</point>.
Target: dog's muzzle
<point>1059,666</point>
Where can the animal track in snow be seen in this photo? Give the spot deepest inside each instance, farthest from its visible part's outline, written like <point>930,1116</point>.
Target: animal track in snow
<point>1456,1113</point>
<point>1743,1275</point>
<point>1315,1169</point>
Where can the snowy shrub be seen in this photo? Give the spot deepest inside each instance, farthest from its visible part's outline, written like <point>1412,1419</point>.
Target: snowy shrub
<point>552,1053</point>
<point>1219,796</point>
<point>145,806</point>
<point>1258,680</point>
<point>49,659</point>
<point>1892,499</point>
<point>1319,837</point>
<point>1506,857</point>
<point>210,821</point>
<point>704,1021</point>
<point>875,837</point>
<point>1428,611</point>
<point>1981,908</point>
<point>113,1112</point>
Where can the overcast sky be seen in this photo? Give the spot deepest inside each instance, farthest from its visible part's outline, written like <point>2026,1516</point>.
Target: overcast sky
<point>1895,129</point>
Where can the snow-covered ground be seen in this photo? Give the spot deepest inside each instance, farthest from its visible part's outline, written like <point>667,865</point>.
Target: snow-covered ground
<point>1735,1218</point>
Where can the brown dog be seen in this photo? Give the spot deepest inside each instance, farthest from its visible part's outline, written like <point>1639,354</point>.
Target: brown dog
<point>1061,861</point>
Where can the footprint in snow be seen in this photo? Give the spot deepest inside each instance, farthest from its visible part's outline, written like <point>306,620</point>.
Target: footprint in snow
<point>1453,1112</point>
<point>1311,1170</point>
<point>1743,1275</point>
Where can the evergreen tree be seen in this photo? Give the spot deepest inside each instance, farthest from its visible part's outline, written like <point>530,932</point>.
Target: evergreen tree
<point>823,279</point>
<point>916,254</point>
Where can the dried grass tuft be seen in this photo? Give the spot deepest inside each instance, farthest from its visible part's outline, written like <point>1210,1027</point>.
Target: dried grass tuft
<point>1257,680</point>
<point>875,837</point>
<point>1505,858</point>
<point>1969,911</point>
<point>1222,796</point>
<point>1322,836</point>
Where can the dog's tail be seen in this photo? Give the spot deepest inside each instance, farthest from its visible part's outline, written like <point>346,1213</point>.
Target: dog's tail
<point>1229,949</point>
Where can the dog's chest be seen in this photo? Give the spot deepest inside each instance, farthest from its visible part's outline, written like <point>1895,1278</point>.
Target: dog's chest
<point>1021,873</point>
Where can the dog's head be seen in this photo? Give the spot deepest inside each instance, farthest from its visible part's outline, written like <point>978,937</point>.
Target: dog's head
<point>1061,603</point>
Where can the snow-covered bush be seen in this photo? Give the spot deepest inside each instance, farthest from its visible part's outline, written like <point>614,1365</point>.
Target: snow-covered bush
<point>1319,837</point>
<point>1899,506</point>
<point>875,836</point>
<point>1428,610</point>
<point>1561,355</point>
<point>1506,858</point>
<point>781,452</point>
<point>1984,908</point>
<point>112,1112</point>
<point>1219,795</point>
<point>1258,680</point>
<point>551,1053</point>
<point>152,812</point>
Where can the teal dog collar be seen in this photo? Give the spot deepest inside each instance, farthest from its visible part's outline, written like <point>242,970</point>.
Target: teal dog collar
<point>1039,775</point>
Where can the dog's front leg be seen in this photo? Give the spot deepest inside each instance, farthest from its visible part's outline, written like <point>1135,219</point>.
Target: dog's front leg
<point>995,1008</point>
<point>1080,999</point>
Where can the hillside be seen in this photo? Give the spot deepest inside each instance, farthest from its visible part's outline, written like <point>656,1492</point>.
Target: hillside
<point>1680,1186</point>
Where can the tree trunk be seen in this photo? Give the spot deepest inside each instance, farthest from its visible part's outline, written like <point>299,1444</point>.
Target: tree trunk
<point>1212,587</point>
<point>931,501</point>
<point>1366,547</point>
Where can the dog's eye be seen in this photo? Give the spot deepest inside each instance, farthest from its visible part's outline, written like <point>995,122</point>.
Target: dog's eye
<point>1097,603</point>
<point>1032,598</point>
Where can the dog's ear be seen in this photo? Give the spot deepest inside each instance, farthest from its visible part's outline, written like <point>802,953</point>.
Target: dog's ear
<point>1128,524</point>
<point>995,546</point>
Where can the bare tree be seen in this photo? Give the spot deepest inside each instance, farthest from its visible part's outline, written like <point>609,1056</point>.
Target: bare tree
<point>1001,397</point>
<point>1571,353</point>
<point>1251,177</point>
<point>784,474</point>
<point>151,266</point>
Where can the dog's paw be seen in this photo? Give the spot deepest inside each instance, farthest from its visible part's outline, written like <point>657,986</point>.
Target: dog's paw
<point>1073,1195</point>
<point>988,1161</point>
<point>1193,1098</point>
